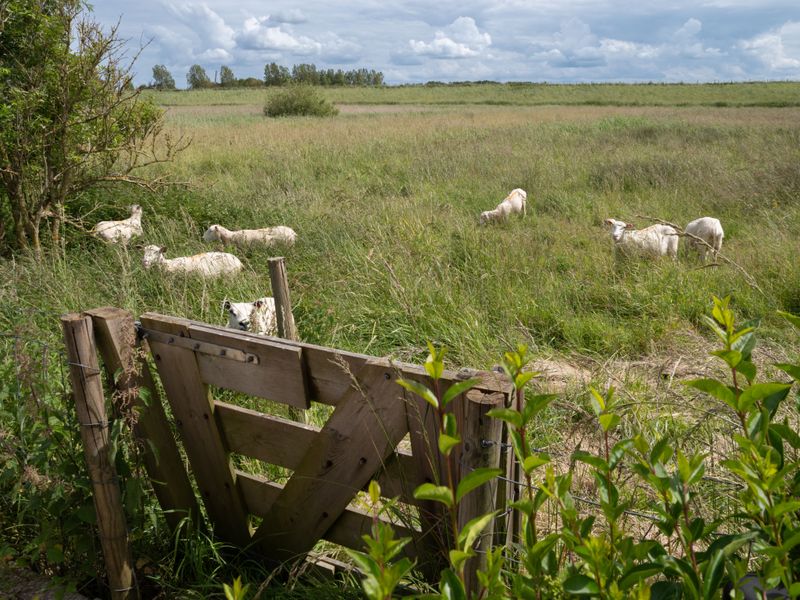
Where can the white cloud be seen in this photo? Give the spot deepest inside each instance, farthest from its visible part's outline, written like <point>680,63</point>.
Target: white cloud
<point>460,39</point>
<point>257,34</point>
<point>207,25</point>
<point>293,15</point>
<point>778,49</point>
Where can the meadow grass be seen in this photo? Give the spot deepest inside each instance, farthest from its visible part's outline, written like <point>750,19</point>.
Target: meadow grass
<point>390,254</point>
<point>774,94</point>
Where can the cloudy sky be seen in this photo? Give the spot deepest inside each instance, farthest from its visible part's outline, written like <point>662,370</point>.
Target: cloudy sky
<point>414,41</point>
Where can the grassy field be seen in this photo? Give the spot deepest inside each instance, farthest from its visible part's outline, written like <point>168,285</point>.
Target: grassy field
<point>385,201</point>
<point>775,94</point>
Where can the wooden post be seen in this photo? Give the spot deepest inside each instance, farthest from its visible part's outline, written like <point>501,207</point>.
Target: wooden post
<point>116,339</point>
<point>90,407</point>
<point>283,303</point>
<point>480,448</point>
<point>284,316</point>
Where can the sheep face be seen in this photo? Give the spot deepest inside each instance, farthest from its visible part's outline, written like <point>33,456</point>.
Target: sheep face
<point>152,255</point>
<point>211,234</point>
<point>618,228</point>
<point>239,314</point>
<point>256,317</point>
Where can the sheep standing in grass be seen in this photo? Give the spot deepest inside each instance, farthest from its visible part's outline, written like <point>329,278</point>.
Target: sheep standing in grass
<point>258,316</point>
<point>709,230</point>
<point>121,231</point>
<point>269,236</point>
<point>207,264</point>
<point>656,240</point>
<point>515,202</point>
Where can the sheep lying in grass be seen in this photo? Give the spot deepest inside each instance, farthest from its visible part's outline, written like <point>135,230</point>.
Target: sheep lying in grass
<point>257,317</point>
<point>121,231</point>
<point>709,230</point>
<point>243,238</point>
<point>515,202</point>
<point>656,240</point>
<point>208,264</point>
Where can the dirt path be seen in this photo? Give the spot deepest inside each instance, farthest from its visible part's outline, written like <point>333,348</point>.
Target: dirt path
<point>20,584</point>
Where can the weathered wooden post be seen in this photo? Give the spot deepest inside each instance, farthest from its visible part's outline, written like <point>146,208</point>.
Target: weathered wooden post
<point>284,316</point>
<point>116,338</point>
<point>480,448</point>
<point>94,427</point>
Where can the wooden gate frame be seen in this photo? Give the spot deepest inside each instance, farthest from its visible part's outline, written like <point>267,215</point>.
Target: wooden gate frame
<point>331,465</point>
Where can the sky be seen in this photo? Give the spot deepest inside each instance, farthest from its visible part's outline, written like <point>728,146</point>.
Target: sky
<point>414,41</point>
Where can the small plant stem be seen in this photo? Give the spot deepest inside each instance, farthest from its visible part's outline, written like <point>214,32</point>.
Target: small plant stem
<point>449,466</point>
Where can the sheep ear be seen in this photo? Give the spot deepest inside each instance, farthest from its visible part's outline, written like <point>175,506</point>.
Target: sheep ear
<point>226,305</point>
<point>258,304</point>
<point>163,248</point>
<point>630,226</point>
<point>609,221</point>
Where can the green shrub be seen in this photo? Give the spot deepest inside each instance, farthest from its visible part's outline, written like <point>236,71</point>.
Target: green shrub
<point>299,100</point>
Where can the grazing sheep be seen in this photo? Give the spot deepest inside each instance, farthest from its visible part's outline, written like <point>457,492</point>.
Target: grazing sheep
<point>257,317</point>
<point>710,231</point>
<point>656,240</point>
<point>121,231</point>
<point>268,236</point>
<point>515,202</point>
<point>208,264</point>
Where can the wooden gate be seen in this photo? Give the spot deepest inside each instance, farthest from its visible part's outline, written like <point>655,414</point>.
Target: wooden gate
<point>376,430</point>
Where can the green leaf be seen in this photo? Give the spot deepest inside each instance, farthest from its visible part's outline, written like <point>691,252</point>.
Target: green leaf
<point>521,379</point>
<point>475,479</point>
<point>447,443</point>
<point>597,401</point>
<point>470,532</point>
<point>374,492</point>
<point>608,421</point>
<point>721,334</point>
<point>792,370</point>
<point>581,585</point>
<point>458,558</point>
<point>787,433</point>
<point>421,391</point>
<point>731,357</point>
<point>534,461</point>
<point>451,587</point>
<point>436,493</point>
<point>747,369</point>
<point>715,569</point>
<point>760,391</point>
<point>793,319</point>
<point>509,415</point>
<point>457,389</point>
<point>714,388</point>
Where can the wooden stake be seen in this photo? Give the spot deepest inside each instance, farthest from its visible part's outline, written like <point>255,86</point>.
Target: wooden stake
<point>90,407</point>
<point>284,316</point>
<point>116,339</point>
<point>480,449</point>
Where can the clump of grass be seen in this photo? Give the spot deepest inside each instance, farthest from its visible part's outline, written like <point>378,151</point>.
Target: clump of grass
<point>299,100</point>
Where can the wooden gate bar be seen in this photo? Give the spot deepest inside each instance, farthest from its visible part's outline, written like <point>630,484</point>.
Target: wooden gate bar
<point>193,409</point>
<point>116,340</point>
<point>284,443</point>
<point>362,432</point>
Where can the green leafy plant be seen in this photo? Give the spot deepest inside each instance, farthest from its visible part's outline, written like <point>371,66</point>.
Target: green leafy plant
<point>299,100</point>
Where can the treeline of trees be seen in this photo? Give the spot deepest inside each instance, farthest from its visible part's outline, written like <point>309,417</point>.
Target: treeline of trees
<point>274,75</point>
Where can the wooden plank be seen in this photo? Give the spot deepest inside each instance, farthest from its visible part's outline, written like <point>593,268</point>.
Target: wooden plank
<point>214,350</point>
<point>260,494</point>
<point>279,374</point>
<point>361,433</point>
<point>479,428</point>
<point>327,369</point>
<point>193,409</point>
<point>87,388</point>
<point>116,340</point>
<point>284,443</point>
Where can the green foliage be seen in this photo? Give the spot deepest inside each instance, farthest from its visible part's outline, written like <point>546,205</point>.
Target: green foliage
<point>226,77</point>
<point>162,78</point>
<point>299,100</point>
<point>197,78</point>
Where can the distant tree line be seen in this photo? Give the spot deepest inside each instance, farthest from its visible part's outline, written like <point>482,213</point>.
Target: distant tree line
<point>274,75</point>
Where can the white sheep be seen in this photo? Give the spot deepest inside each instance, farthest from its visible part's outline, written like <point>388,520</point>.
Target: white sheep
<point>258,316</point>
<point>269,236</point>
<point>515,202</point>
<point>709,230</point>
<point>121,231</point>
<point>208,264</point>
<point>656,240</point>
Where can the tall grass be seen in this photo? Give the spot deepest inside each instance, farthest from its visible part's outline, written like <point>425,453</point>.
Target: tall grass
<point>774,94</point>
